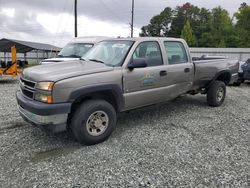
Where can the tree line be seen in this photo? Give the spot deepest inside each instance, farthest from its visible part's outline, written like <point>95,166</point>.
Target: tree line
<point>202,27</point>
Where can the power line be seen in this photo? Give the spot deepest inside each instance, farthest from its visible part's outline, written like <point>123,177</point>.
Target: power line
<point>75,18</point>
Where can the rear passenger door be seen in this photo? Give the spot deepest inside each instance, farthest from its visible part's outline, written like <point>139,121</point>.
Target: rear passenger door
<point>180,69</point>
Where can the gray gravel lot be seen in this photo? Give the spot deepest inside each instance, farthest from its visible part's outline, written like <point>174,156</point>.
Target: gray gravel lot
<point>183,143</point>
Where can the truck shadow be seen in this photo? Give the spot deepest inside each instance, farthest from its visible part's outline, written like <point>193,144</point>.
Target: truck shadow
<point>178,106</point>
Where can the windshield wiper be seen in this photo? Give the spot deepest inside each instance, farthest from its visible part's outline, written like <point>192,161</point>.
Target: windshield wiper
<point>73,55</point>
<point>96,60</point>
<point>70,56</point>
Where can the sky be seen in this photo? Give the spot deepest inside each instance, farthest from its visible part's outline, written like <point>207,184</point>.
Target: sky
<point>52,21</point>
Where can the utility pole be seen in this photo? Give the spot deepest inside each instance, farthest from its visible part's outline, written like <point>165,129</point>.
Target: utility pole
<point>75,18</point>
<point>132,18</point>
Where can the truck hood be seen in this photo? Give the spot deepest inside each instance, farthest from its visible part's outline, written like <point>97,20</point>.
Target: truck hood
<point>57,59</point>
<point>62,70</point>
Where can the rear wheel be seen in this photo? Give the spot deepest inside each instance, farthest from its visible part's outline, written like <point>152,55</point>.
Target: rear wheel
<point>216,94</point>
<point>93,122</point>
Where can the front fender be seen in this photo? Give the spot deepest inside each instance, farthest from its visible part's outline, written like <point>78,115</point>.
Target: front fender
<point>87,90</point>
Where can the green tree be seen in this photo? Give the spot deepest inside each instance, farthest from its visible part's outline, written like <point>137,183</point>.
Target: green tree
<point>202,27</point>
<point>159,24</point>
<point>221,27</point>
<point>242,5</point>
<point>200,20</point>
<point>180,14</point>
<point>243,25</point>
<point>187,34</point>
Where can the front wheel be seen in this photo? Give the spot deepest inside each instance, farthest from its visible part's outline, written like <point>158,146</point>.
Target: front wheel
<point>216,94</point>
<point>93,122</point>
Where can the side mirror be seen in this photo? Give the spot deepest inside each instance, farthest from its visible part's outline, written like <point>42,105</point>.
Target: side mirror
<point>137,63</point>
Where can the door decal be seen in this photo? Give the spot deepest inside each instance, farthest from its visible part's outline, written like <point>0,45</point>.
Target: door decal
<point>148,80</point>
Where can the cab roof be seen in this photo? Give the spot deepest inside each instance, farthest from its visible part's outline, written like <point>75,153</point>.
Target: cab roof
<point>89,39</point>
<point>147,39</point>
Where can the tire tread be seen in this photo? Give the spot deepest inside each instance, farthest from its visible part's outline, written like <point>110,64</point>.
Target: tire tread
<point>211,94</point>
<point>80,115</point>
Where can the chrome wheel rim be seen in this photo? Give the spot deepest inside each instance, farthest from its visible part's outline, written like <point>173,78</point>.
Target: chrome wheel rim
<point>97,123</point>
<point>220,94</point>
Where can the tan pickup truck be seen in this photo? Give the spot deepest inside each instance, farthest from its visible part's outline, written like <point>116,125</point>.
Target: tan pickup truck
<point>117,75</point>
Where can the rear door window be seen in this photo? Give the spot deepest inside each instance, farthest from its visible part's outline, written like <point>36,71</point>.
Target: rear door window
<point>176,52</point>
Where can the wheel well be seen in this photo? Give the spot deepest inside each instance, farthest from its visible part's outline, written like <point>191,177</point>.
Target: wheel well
<point>224,77</point>
<point>108,96</point>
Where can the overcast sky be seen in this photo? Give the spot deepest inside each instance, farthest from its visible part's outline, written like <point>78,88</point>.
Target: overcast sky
<point>52,21</point>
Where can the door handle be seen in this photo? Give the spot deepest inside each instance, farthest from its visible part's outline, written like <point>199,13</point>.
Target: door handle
<point>186,70</point>
<point>163,73</point>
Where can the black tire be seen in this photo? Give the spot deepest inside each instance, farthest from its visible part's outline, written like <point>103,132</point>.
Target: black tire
<point>86,110</point>
<point>238,83</point>
<point>216,94</point>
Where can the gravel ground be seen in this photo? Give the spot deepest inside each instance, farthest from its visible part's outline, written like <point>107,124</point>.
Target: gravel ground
<point>183,143</point>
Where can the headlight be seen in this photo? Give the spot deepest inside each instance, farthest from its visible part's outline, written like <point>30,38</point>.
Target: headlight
<point>43,98</point>
<point>47,86</point>
<point>44,92</point>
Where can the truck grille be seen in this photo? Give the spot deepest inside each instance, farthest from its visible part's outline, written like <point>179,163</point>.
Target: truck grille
<point>27,87</point>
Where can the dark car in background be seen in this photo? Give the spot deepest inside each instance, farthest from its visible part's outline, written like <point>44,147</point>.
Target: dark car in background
<point>244,72</point>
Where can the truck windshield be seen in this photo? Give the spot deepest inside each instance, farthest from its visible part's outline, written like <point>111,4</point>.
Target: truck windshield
<point>111,53</point>
<point>76,50</point>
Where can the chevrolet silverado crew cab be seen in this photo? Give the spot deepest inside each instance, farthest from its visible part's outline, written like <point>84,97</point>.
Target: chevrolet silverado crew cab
<point>117,75</point>
<point>75,49</point>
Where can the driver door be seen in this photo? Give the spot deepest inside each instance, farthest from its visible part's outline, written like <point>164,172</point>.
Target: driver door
<point>144,86</point>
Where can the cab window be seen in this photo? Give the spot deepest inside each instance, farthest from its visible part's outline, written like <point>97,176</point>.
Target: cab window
<point>150,51</point>
<point>176,52</point>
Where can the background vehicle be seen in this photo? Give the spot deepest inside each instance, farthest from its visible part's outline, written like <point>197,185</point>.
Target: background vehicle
<point>240,79</point>
<point>75,49</point>
<point>114,76</point>
<point>246,70</point>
